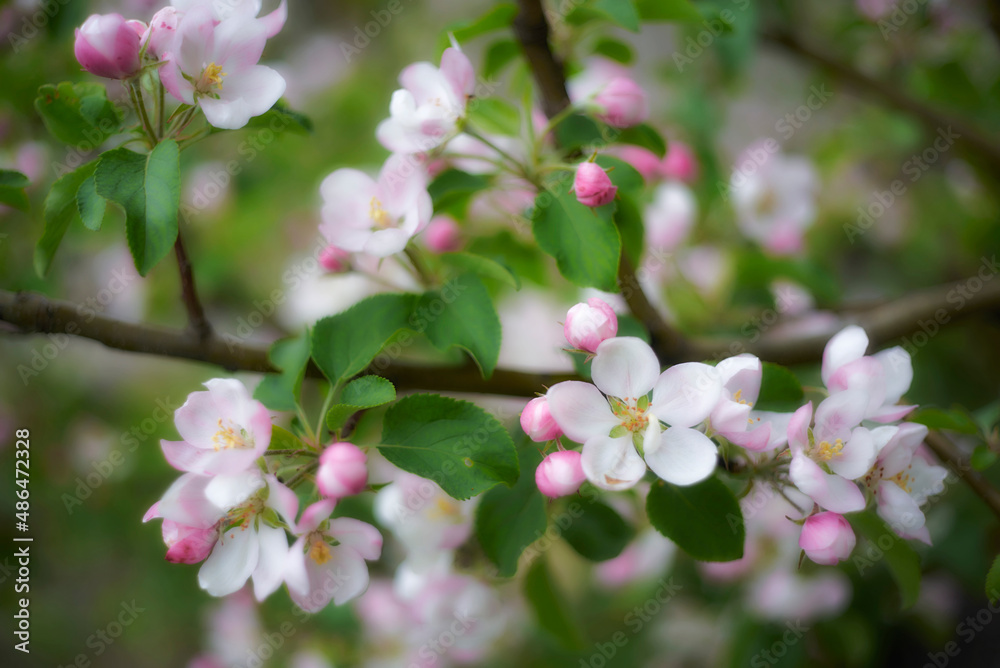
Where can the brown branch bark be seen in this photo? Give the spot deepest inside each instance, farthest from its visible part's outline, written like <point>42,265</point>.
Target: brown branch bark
<point>949,453</point>
<point>532,32</point>
<point>972,138</point>
<point>197,321</point>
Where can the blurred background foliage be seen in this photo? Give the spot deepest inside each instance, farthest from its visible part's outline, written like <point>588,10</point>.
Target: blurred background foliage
<point>98,413</point>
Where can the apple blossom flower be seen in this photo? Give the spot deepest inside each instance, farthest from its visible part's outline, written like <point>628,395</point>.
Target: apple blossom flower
<point>902,482</point>
<point>670,216</point>
<point>616,420</point>
<point>342,471</point>
<point>443,235</point>
<point>884,376</point>
<point>427,110</point>
<point>334,260</point>
<point>251,543</point>
<point>272,22</point>
<point>224,430</point>
<point>188,545</point>
<point>837,444</point>
<point>827,538</point>
<point>592,185</point>
<point>107,45</point>
<point>590,323</point>
<point>614,96</point>
<point>377,217</point>
<point>327,562</point>
<point>734,417</point>
<point>161,31</point>
<point>560,474</point>
<point>680,163</point>
<point>775,199</point>
<point>215,65</point>
<point>537,421</point>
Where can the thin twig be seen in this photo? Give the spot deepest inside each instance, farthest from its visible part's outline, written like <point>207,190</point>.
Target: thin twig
<point>949,453</point>
<point>290,453</point>
<point>197,321</point>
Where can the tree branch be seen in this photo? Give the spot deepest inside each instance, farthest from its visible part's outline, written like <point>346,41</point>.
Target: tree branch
<point>532,32</point>
<point>949,453</point>
<point>971,137</point>
<point>669,346</point>
<point>197,321</point>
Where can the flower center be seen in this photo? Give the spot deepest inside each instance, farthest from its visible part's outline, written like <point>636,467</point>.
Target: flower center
<point>211,79</point>
<point>227,438</point>
<point>445,509</point>
<point>904,480</point>
<point>632,413</point>
<point>379,215</point>
<point>242,516</point>
<point>827,451</point>
<point>320,551</point>
<point>767,203</point>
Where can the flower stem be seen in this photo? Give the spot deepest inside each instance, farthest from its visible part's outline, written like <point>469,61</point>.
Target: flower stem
<point>419,266</point>
<point>290,453</point>
<point>140,109</point>
<point>303,472</point>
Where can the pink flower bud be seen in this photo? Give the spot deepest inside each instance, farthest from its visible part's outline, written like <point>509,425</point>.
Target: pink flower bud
<point>537,422</point>
<point>645,161</point>
<point>592,185</point>
<point>587,325</point>
<point>559,474</point>
<point>827,538</point>
<point>187,545</point>
<point>342,471</point>
<point>161,31</point>
<point>106,45</point>
<point>335,260</point>
<point>443,234</point>
<point>679,163</point>
<point>624,103</point>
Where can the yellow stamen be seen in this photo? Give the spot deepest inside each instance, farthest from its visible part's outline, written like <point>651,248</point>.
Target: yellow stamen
<point>828,451</point>
<point>227,438</point>
<point>378,214</point>
<point>212,76</point>
<point>320,552</point>
<point>904,481</point>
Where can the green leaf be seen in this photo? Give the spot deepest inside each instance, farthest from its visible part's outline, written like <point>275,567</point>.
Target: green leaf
<point>645,136</point>
<point>902,560</point>
<point>12,185</point>
<point>704,520</point>
<point>524,259</point>
<point>509,519</point>
<point>628,219</point>
<point>499,55</point>
<point>577,131</point>
<point>282,439</point>
<point>359,394</point>
<point>551,607</point>
<point>80,114</point>
<point>482,266</point>
<point>497,18</point>
<point>614,49</point>
<point>667,10</point>
<point>622,174</point>
<point>344,344</point>
<point>148,188</point>
<point>983,458</point>
<point>280,118</point>
<point>59,211</point>
<point>462,314</point>
<point>90,205</point>
<point>993,581</point>
<point>956,419</point>
<point>494,116</point>
<point>584,241</point>
<point>780,390</point>
<point>280,391</point>
<point>452,189</point>
<point>455,443</point>
<point>599,533</point>
<point>619,12</point>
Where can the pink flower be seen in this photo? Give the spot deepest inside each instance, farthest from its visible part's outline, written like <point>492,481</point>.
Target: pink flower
<point>884,377</point>
<point>426,111</point>
<point>342,471</point>
<point>733,416</point>
<point>645,161</point>
<point>362,215</point>
<point>622,103</point>
<point>593,185</point>
<point>214,65</point>
<point>827,538</point>
<point>224,430</point>
<point>443,234</point>
<point>249,9</point>
<point>188,545</point>
<point>537,422</point>
<point>614,416</point>
<point>161,31</point>
<point>334,260</point>
<point>670,216</point>
<point>327,562</point>
<point>679,163</point>
<point>560,474</point>
<point>588,324</point>
<point>106,45</point>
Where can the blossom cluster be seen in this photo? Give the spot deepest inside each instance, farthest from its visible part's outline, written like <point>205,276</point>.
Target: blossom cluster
<point>852,452</point>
